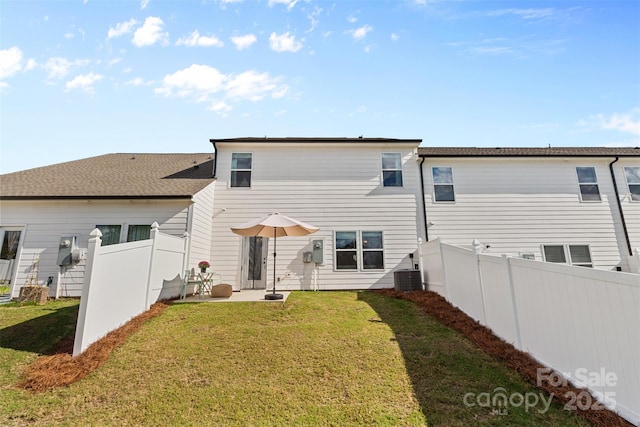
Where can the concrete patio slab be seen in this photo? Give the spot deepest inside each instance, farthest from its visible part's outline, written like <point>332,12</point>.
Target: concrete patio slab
<point>247,295</point>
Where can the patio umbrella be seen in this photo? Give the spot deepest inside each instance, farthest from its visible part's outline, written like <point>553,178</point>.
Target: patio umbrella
<point>274,225</point>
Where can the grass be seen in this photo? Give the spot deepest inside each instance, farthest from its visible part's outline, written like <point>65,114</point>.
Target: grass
<point>330,358</point>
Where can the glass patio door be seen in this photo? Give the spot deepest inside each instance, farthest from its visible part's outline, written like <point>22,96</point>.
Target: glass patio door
<point>10,243</point>
<point>254,262</point>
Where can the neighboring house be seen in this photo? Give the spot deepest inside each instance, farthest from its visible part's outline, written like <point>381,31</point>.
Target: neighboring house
<point>121,194</point>
<point>361,192</point>
<point>578,206</point>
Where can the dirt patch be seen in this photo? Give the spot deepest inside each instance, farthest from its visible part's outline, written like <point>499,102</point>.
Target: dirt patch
<point>61,369</point>
<point>438,307</point>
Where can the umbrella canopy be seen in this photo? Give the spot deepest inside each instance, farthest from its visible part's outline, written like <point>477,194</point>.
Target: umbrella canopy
<point>274,225</point>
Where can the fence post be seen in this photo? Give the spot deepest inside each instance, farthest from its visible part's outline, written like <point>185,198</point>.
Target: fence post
<point>422,273</point>
<point>444,270</point>
<point>187,252</point>
<point>155,230</point>
<point>477,249</point>
<point>513,303</point>
<point>95,241</point>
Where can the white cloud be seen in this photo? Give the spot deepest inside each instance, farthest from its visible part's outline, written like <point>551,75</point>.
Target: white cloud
<point>220,107</point>
<point>144,4</point>
<point>314,18</point>
<point>84,82</point>
<point>114,61</point>
<point>243,42</point>
<point>352,19</point>
<point>195,39</point>
<point>31,64</point>
<point>68,36</point>
<point>622,122</point>
<point>120,29</point>
<point>138,81</point>
<point>284,43</point>
<point>524,13</point>
<point>360,33</point>
<point>10,61</point>
<point>254,86</point>
<point>57,67</point>
<point>150,32</point>
<point>288,3</point>
<point>394,37</point>
<point>195,80</point>
<point>202,83</point>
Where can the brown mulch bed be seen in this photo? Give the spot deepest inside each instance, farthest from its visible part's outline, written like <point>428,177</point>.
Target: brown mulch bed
<point>483,338</point>
<point>60,369</point>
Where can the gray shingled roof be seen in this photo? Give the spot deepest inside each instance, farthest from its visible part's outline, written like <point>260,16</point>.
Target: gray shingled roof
<point>342,140</point>
<point>528,152</point>
<point>113,176</point>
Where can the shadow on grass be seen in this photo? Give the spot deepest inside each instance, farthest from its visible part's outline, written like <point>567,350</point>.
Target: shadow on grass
<point>47,334</point>
<point>444,367</point>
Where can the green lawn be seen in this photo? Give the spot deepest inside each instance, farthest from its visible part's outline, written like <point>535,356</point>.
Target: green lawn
<point>324,358</point>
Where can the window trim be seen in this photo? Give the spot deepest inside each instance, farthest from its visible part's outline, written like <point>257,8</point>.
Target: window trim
<point>566,247</point>
<point>231,170</point>
<point>359,249</point>
<point>453,187</point>
<point>401,170</point>
<point>624,172</point>
<point>580,184</point>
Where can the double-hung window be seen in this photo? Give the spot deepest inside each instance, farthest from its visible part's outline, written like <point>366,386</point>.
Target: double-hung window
<point>443,184</point>
<point>632,174</point>
<point>391,170</point>
<point>138,232</point>
<point>110,233</point>
<point>241,164</point>
<point>588,182</point>
<point>578,255</point>
<point>359,250</point>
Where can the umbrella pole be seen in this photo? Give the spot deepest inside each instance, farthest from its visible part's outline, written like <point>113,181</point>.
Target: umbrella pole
<point>275,239</point>
<point>273,295</point>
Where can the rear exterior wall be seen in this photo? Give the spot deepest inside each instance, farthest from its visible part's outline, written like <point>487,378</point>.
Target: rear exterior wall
<point>336,187</point>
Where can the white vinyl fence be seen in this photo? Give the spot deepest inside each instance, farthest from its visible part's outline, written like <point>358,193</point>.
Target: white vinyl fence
<point>581,322</point>
<point>122,281</point>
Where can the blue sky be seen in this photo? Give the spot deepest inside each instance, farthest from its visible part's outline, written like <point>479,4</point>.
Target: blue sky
<point>83,78</point>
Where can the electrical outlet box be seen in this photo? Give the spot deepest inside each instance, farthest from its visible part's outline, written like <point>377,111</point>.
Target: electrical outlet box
<point>65,248</point>
<point>317,251</point>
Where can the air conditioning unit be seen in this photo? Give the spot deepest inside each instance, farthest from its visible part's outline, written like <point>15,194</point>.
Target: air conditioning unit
<point>407,280</point>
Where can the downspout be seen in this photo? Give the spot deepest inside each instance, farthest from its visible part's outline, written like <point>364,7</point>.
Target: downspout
<point>215,158</point>
<point>424,204</point>
<point>624,224</point>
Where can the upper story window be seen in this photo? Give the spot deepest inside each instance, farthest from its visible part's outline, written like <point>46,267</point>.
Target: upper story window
<point>110,233</point>
<point>138,232</point>
<point>241,164</point>
<point>632,174</point>
<point>443,184</point>
<point>391,170</point>
<point>588,182</point>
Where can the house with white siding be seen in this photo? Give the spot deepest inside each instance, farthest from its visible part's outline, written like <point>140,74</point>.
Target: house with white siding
<point>361,192</point>
<point>120,194</point>
<point>578,206</point>
<point>373,199</point>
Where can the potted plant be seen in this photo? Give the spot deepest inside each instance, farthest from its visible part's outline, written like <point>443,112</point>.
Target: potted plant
<point>204,265</point>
